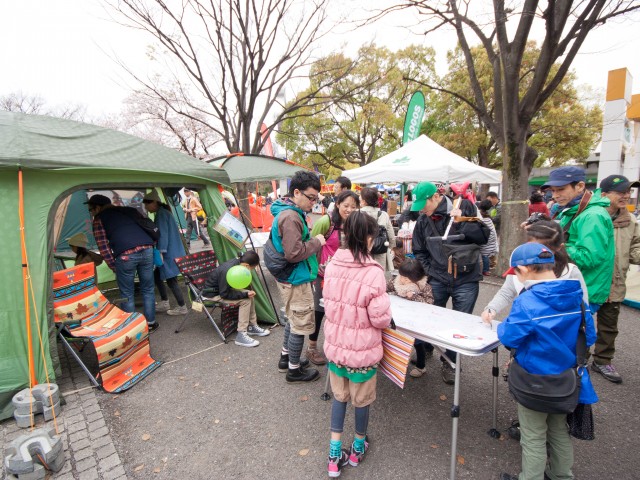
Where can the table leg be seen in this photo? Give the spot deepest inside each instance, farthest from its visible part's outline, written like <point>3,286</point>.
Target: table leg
<point>495,371</point>
<point>455,414</point>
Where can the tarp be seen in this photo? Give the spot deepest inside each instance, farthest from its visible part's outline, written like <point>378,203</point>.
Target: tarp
<point>255,168</point>
<point>420,160</point>
<point>59,157</point>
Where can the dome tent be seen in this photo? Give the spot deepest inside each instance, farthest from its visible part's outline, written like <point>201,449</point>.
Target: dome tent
<point>56,158</point>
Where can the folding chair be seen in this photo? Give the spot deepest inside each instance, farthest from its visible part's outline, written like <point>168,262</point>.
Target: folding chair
<point>195,268</point>
<point>115,343</point>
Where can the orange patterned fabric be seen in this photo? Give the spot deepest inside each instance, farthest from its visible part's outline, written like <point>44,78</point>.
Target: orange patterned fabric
<point>121,339</point>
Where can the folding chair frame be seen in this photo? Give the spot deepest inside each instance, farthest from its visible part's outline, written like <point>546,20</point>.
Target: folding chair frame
<point>196,294</point>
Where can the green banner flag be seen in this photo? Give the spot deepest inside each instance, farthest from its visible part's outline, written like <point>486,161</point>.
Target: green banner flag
<point>413,120</point>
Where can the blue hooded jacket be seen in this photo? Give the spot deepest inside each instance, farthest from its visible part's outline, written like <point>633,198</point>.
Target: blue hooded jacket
<point>543,328</point>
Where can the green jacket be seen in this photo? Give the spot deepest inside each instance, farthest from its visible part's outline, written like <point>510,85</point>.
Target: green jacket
<point>590,245</point>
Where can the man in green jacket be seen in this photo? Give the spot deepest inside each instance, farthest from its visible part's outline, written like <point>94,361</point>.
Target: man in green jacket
<point>627,241</point>
<point>587,228</point>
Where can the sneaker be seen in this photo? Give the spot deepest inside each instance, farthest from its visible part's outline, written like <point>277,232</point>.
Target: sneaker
<point>355,457</point>
<point>300,374</point>
<point>335,464</point>
<point>162,306</point>
<point>152,326</point>
<point>257,331</point>
<point>607,371</point>
<point>183,310</point>
<point>283,363</point>
<point>448,374</point>
<point>316,357</point>
<point>244,340</point>
<point>417,372</point>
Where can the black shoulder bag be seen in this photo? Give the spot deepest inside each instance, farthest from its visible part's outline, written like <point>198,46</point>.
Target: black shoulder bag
<point>550,393</point>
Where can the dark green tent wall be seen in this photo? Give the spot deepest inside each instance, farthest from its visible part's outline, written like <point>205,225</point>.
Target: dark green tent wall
<point>58,157</point>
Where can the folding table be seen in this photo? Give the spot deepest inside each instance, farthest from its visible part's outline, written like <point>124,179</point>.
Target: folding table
<point>463,333</point>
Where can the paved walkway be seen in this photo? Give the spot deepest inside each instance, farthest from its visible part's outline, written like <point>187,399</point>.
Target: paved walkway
<point>88,447</point>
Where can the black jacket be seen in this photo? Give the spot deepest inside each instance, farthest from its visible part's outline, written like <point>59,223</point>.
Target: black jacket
<point>217,282</point>
<point>430,252</point>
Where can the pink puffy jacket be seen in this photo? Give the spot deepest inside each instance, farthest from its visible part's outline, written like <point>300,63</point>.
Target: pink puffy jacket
<point>357,308</point>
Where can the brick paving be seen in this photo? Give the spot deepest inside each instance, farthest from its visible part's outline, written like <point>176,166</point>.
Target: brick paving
<point>88,448</point>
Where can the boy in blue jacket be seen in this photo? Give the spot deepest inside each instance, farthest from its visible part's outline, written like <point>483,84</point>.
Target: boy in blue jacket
<point>543,328</point>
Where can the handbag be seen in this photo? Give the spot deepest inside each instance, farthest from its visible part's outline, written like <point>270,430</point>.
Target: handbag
<point>558,393</point>
<point>461,258</point>
<point>381,242</point>
<point>580,422</point>
<point>157,258</point>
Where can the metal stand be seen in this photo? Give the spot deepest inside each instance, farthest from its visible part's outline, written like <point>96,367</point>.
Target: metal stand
<point>495,371</point>
<point>77,358</point>
<point>455,414</point>
<point>264,280</point>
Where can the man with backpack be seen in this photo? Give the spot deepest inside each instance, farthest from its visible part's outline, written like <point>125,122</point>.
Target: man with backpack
<point>127,248</point>
<point>386,240</point>
<point>291,241</point>
<point>454,268</point>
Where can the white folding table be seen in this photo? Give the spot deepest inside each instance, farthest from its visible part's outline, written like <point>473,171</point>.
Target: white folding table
<point>463,333</point>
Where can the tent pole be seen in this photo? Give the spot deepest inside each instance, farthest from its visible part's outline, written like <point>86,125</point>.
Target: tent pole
<point>264,280</point>
<point>25,275</point>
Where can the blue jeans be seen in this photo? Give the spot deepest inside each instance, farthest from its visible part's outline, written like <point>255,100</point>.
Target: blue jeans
<point>463,298</point>
<point>126,268</point>
<point>485,263</point>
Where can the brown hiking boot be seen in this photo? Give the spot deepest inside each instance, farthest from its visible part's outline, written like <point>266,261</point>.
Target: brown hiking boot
<point>316,357</point>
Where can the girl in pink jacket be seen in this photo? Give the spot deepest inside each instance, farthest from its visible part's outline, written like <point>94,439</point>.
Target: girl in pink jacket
<point>357,309</point>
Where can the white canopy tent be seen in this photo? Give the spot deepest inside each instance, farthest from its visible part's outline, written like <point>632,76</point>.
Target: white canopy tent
<point>419,160</point>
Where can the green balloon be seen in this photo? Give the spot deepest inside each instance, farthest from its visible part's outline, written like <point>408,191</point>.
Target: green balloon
<point>239,277</point>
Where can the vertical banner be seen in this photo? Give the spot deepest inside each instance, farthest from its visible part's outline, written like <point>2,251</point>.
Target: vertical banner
<point>267,146</point>
<point>413,119</point>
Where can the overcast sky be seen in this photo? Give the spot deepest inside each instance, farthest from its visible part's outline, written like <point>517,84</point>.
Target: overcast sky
<point>59,49</point>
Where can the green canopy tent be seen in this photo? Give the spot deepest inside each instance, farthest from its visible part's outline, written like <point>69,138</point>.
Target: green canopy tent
<point>255,168</point>
<point>56,158</point>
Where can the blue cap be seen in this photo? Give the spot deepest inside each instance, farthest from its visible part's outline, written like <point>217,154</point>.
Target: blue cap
<point>529,254</point>
<point>565,175</point>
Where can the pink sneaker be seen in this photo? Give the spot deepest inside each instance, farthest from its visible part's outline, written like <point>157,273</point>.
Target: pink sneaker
<point>335,464</point>
<point>356,457</point>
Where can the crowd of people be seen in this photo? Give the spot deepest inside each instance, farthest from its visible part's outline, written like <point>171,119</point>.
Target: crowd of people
<point>571,270</point>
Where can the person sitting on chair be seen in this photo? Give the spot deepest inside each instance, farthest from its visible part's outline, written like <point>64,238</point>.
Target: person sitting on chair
<point>78,244</point>
<point>244,299</point>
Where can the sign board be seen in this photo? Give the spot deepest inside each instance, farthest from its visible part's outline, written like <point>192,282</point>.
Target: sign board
<point>232,229</point>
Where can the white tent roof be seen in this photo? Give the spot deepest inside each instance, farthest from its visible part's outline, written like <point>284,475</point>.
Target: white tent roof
<point>420,160</point>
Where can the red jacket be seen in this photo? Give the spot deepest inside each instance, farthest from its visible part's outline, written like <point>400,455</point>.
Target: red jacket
<point>540,207</point>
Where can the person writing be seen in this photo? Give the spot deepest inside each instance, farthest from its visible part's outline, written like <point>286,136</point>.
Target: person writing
<point>543,329</point>
<point>357,309</point>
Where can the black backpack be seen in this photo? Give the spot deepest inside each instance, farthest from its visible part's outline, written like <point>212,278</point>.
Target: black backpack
<point>381,242</point>
<point>145,223</point>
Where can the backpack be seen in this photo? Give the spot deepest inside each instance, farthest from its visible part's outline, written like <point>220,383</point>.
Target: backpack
<point>381,242</point>
<point>145,223</point>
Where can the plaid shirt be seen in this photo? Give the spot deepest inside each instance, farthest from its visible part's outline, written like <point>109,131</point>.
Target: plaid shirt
<point>100,235</point>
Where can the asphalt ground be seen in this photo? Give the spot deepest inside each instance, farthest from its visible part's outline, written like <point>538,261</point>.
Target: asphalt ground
<point>216,410</point>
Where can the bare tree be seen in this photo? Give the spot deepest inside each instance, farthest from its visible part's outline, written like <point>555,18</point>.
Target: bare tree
<point>148,117</point>
<point>503,33</point>
<point>230,60</point>
<point>36,105</point>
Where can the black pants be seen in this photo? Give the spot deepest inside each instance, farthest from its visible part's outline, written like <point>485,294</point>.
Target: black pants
<point>173,285</point>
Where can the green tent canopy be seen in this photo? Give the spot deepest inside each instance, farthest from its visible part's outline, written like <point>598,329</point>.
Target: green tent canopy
<point>255,168</point>
<point>58,157</point>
